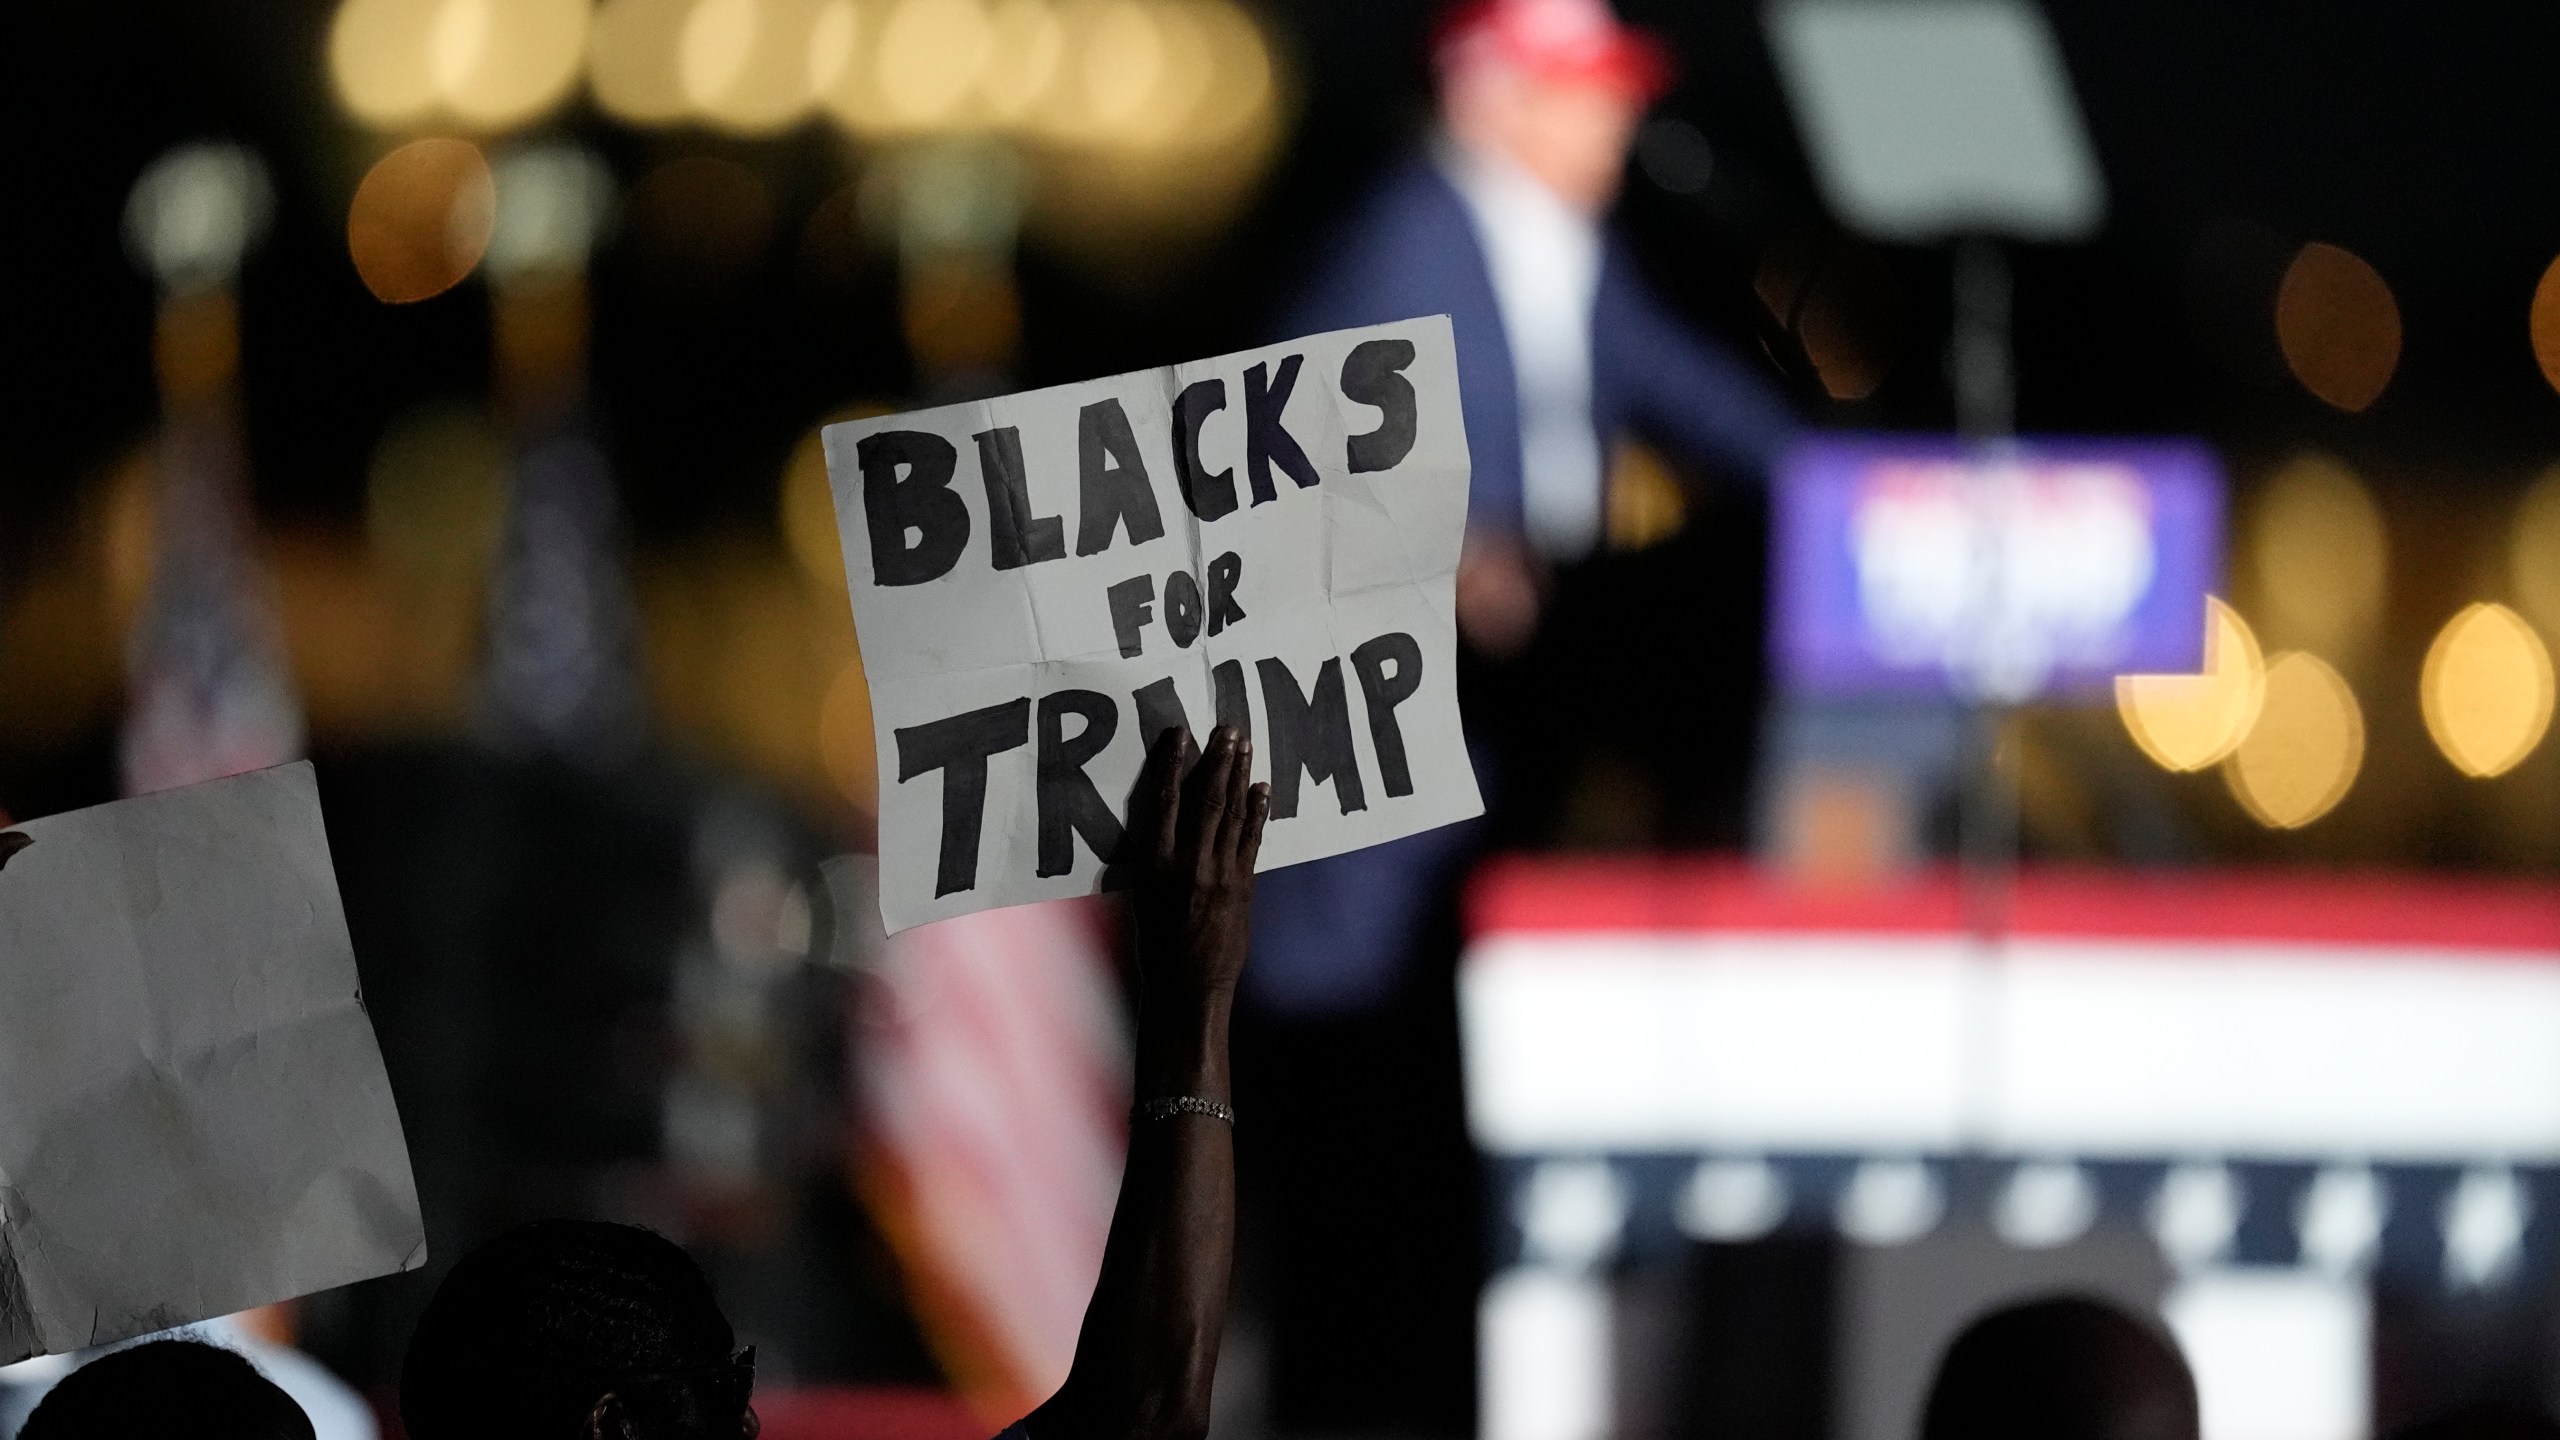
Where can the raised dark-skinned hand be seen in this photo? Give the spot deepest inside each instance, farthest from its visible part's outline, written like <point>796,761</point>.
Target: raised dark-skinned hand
<point>1199,833</point>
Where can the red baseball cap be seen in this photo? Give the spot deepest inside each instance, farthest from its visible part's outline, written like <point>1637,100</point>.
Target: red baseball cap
<point>1566,40</point>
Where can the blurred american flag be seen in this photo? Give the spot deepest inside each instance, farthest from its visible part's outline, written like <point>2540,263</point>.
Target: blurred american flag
<point>993,1074</point>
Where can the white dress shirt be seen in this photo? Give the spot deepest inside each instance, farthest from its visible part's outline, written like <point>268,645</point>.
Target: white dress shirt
<point>1545,260</point>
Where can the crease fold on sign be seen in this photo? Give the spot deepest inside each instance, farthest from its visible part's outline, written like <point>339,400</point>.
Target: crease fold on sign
<point>1340,603</point>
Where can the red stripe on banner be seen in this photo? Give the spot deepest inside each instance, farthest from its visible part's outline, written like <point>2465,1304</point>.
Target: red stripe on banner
<point>1668,895</point>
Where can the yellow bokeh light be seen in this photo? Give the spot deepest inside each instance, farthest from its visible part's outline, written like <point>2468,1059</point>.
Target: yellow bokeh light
<point>747,65</point>
<point>1191,83</point>
<point>712,50</point>
<point>835,35</point>
<point>1646,502</point>
<point>512,60</point>
<point>1172,105</point>
<point>1125,59</point>
<point>1024,58</point>
<point>455,39</point>
<point>2189,722</point>
<point>1140,75</point>
<point>488,64</point>
<point>1188,81</point>
<point>931,55</point>
<point>631,62</point>
<point>2301,757</point>
<point>2338,326</point>
<point>421,219</point>
<point>377,60</point>
<point>2320,556</point>
<point>2533,552</point>
<point>1107,186</point>
<point>2486,690</point>
<point>1137,74</point>
<point>1241,92</point>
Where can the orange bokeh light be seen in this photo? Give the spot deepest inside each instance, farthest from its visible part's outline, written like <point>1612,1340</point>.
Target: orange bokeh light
<point>2338,326</point>
<point>2545,324</point>
<point>421,219</point>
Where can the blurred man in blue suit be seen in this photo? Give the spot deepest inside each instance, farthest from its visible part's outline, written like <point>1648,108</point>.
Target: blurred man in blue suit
<point>1498,221</point>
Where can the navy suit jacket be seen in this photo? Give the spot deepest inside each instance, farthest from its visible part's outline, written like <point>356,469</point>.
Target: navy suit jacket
<point>1332,937</point>
<point>1412,250</point>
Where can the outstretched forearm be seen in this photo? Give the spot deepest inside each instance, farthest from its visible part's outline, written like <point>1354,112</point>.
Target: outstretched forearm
<point>1149,1347</point>
<point>1148,1353</point>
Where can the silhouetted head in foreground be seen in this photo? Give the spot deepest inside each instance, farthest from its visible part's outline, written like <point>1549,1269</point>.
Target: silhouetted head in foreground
<point>2061,1369</point>
<point>576,1330</point>
<point>168,1387</point>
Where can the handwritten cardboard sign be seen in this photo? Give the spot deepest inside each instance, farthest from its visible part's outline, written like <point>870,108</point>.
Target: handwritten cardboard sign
<point>1045,582</point>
